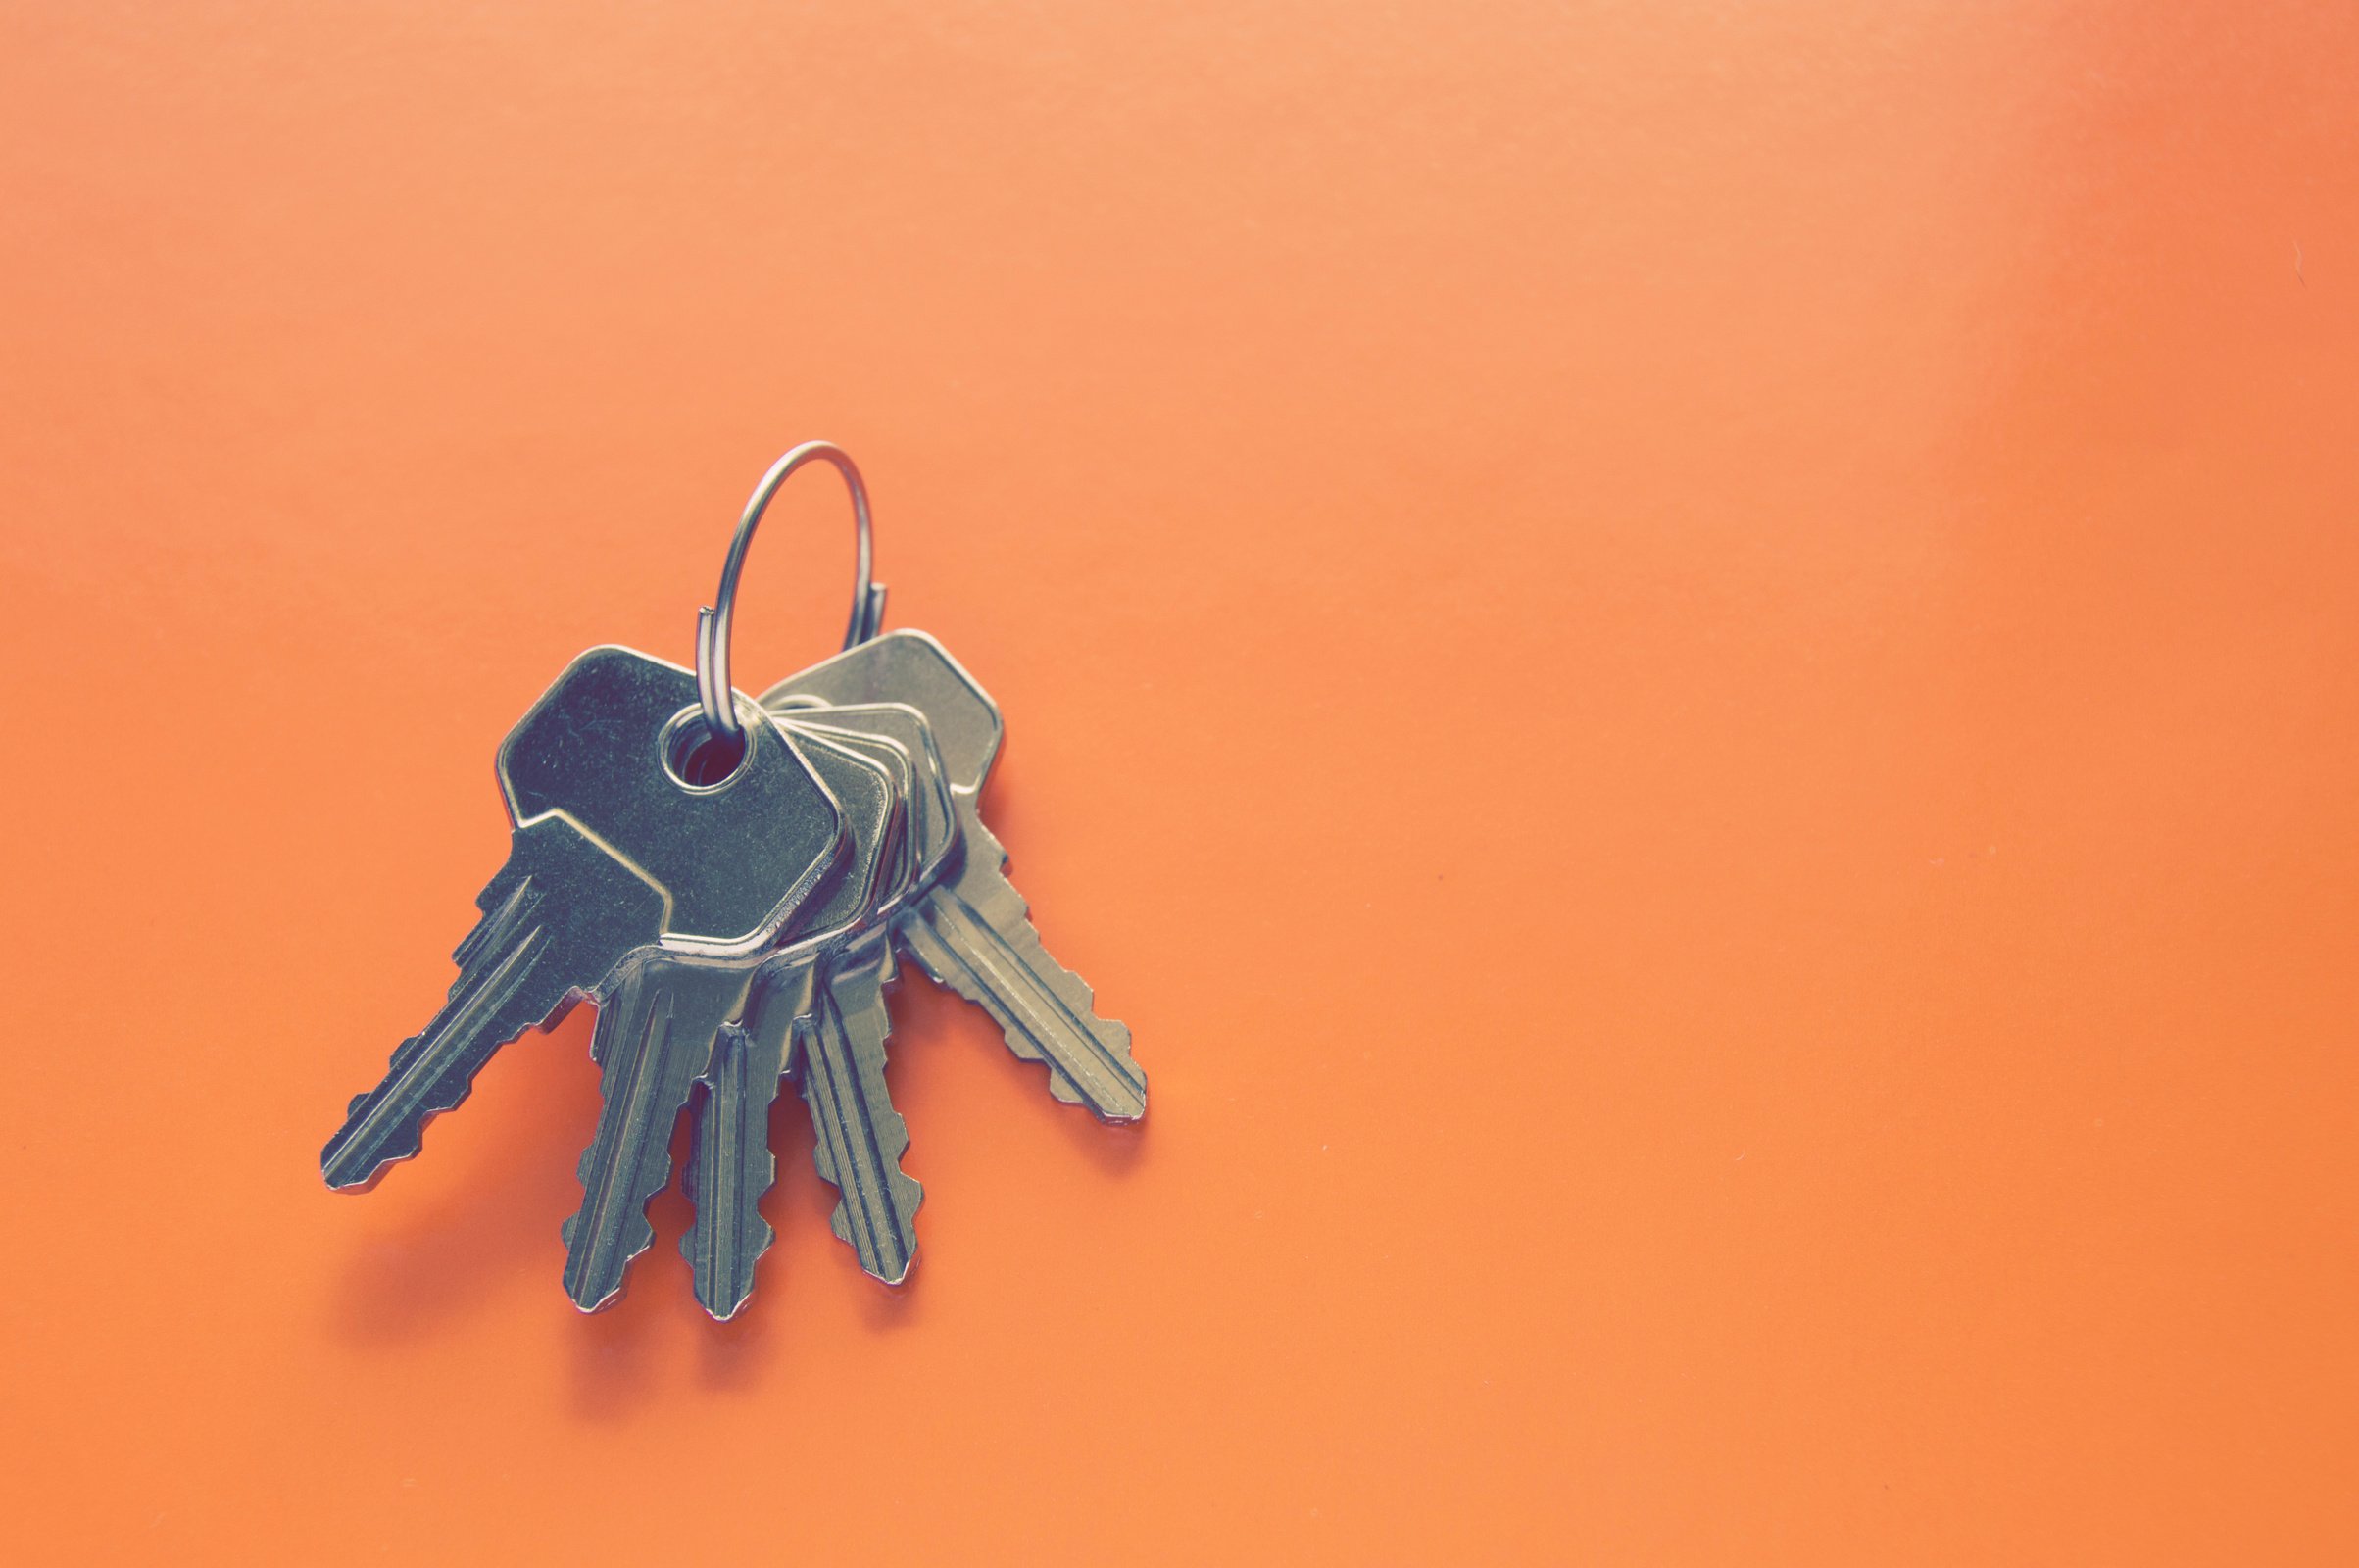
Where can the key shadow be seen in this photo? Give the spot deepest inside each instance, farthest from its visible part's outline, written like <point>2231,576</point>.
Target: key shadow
<point>502,1189</point>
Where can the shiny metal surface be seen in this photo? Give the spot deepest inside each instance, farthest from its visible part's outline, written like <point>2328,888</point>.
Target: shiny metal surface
<point>712,626</point>
<point>610,854</point>
<point>730,1166</point>
<point>971,930</point>
<point>911,667</point>
<point>654,1037</point>
<point>657,1038</point>
<point>857,1137</point>
<point>734,858</point>
<point>934,824</point>
<point>817,1009</point>
<point>737,917</point>
<point>971,933</point>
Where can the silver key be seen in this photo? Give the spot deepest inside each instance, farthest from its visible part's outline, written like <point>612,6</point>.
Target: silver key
<point>731,1166</point>
<point>910,668</point>
<point>611,853</point>
<point>820,1013</point>
<point>970,931</point>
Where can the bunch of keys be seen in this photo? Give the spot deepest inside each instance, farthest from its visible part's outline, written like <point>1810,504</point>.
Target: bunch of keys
<point>733,884</point>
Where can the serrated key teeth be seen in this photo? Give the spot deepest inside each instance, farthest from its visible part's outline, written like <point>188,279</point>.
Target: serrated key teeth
<point>722,1273</point>
<point>884,1236</point>
<point>730,1166</point>
<point>972,937</point>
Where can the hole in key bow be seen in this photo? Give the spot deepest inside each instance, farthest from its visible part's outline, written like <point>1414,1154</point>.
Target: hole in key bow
<point>696,758</point>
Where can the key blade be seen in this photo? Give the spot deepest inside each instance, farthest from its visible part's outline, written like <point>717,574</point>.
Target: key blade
<point>655,1035</point>
<point>858,1138</point>
<point>971,934</point>
<point>731,1166</point>
<point>517,969</point>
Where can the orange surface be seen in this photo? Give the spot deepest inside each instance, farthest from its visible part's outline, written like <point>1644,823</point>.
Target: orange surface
<point>1692,669</point>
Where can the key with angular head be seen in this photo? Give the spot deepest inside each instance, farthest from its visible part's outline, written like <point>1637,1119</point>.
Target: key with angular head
<point>732,1166</point>
<point>796,1014</point>
<point>614,850</point>
<point>791,1002</point>
<point>970,931</point>
<point>912,669</point>
<point>933,820</point>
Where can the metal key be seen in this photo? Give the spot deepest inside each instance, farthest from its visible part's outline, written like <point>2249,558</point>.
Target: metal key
<point>613,852</point>
<point>730,888</point>
<point>857,1137</point>
<point>655,1037</point>
<point>933,822</point>
<point>731,1166</point>
<point>970,931</point>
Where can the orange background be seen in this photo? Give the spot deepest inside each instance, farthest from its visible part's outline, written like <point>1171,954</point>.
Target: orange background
<point>1692,668</point>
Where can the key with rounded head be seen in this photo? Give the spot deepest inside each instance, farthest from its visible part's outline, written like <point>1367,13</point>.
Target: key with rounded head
<point>622,844</point>
<point>970,931</point>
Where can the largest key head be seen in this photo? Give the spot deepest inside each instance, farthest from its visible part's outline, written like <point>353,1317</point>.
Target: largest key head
<point>618,749</point>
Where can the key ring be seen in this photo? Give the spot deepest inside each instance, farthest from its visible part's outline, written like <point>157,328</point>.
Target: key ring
<point>712,626</point>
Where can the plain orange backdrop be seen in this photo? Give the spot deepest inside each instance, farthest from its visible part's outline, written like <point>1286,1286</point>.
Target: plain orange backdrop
<point>1692,669</point>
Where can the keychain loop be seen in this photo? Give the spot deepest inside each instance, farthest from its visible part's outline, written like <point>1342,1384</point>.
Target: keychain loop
<point>712,626</point>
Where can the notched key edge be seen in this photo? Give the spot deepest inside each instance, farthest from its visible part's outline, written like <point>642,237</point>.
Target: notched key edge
<point>726,1182</point>
<point>973,933</point>
<point>840,1061</point>
<point>517,971</point>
